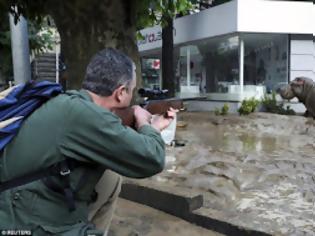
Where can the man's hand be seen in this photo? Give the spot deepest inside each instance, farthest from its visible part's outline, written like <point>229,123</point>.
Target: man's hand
<point>161,122</point>
<point>142,116</point>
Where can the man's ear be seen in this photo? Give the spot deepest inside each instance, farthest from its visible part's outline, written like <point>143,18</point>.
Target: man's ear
<point>119,93</point>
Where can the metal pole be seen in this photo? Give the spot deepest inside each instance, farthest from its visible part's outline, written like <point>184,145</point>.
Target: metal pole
<point>57,47</point>
<point>241,66</point>
<point>20,50</point>
<point>188,68</point>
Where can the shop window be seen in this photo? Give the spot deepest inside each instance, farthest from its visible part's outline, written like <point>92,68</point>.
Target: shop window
<point>213,66</point>
<point>188,71</point>
<point>265,60</point>
<point>151,69</point>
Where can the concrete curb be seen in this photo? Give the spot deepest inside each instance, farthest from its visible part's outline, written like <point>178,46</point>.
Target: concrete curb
<point>184,207</point>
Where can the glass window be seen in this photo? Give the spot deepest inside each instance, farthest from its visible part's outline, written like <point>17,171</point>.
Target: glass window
<point>189,69</point>
<point>266,60</point>
<point>210,66</point>
<point>151,69</point>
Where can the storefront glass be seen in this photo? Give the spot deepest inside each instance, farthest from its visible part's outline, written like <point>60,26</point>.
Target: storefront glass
<point>189,70</point>
<point>151,70</point>
<point>209,67</point>
<point>266,60</point>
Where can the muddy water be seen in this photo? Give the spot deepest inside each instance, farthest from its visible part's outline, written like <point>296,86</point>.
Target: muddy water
<point>258,170</point>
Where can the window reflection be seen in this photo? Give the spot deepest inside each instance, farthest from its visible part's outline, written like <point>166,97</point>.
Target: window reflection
<point>265,60</point>
<point>213,66</point>
<point>151,69</point>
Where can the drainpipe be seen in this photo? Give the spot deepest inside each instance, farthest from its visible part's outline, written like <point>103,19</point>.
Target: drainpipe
<point>188,67</point>
<point>241,67</point>
<point>20,50</point>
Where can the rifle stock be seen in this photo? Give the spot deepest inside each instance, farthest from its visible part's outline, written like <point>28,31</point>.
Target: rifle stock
<point>155,107</point>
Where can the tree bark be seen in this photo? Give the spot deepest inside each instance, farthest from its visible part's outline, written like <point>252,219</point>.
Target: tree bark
<point>87,26</point>
<point>168,75</point>
<point>176,58</point>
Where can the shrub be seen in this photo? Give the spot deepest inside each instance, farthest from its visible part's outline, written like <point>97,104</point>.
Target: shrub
<point>223,111</point>
<point>248,106</point>
<point>271,105</point>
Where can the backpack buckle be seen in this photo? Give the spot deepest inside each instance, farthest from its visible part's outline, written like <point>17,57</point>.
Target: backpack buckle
<point>65,172</point>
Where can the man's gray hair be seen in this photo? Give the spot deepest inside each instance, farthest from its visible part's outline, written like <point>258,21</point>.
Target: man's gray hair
<point>108,70</point>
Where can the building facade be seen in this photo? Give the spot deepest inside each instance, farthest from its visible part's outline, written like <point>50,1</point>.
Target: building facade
<point>237,50</point>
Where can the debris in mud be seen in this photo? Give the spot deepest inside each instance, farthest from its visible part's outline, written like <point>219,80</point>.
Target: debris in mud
<point>178,143</point>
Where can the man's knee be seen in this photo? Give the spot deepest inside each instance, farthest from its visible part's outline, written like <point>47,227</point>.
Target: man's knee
<point>107,189</point>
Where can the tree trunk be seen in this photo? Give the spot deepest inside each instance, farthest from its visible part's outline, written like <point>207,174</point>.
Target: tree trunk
<point>168,76</point>
<point>176,58</point>
<point>87,26</point>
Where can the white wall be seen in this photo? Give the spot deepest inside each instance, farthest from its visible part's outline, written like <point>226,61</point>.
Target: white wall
<point>302,58</point>
<point>275,16</point>
<point>212,22</point>
<point>314,53</point>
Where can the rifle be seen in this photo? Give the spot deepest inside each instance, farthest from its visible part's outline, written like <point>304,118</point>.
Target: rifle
<point>155,106</point>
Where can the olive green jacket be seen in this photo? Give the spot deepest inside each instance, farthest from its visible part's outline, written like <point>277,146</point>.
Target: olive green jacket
<point>71,126</point>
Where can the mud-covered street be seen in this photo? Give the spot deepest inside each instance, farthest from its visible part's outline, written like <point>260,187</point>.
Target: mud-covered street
<point>133,219</point>
<point>255,171</point>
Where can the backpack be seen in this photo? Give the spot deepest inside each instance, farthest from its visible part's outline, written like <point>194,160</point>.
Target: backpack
<point>16,104</point>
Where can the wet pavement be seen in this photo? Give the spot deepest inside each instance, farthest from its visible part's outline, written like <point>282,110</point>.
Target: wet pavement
<point>255,171</point>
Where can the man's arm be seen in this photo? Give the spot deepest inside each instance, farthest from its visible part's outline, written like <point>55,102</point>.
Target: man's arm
<point>98,136</point>
<point>155,107</point>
